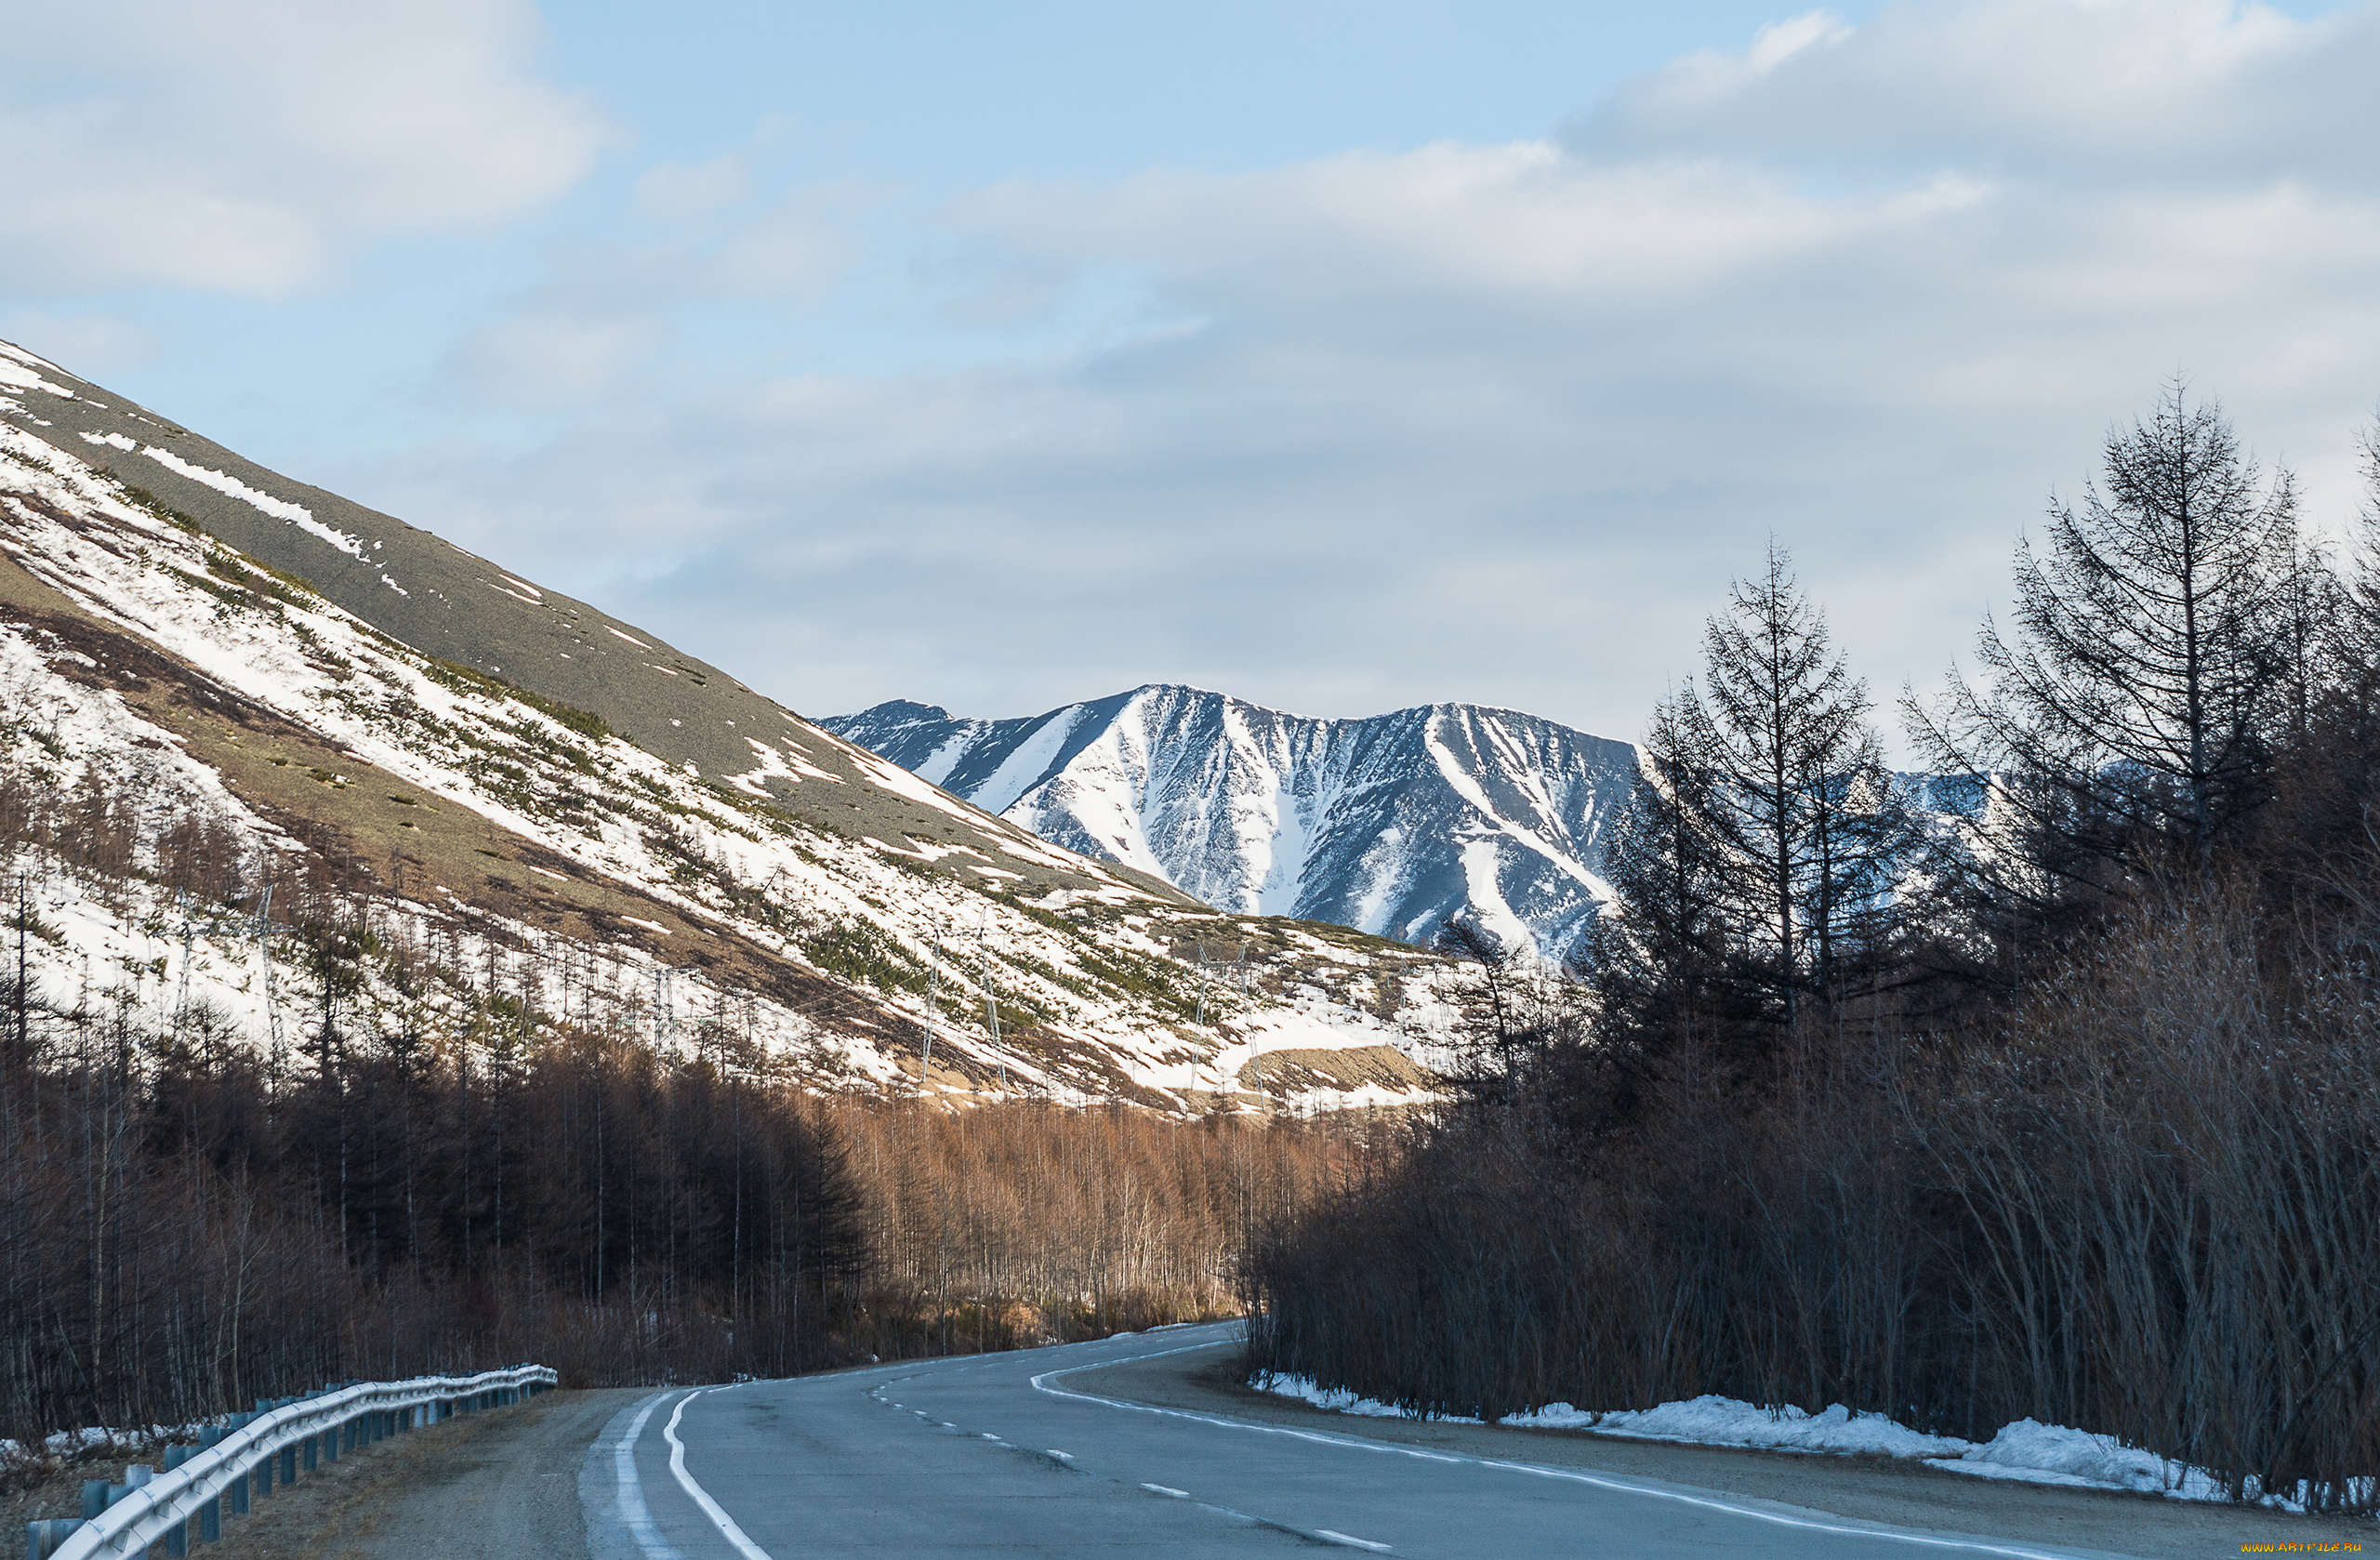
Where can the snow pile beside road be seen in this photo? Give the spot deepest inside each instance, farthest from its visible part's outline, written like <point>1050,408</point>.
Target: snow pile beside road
<point>1340,1400</point>
<point>2040,1453</point>
<point>2027,1450</point>
<point>1725,1422</point>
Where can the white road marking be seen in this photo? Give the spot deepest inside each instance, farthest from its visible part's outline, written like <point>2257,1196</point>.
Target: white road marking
<point>1344,1538</point>
<point>630,1499</point>
<point>1177,1494</point>
<point>1040,1383</point>
<point>711,1508</point>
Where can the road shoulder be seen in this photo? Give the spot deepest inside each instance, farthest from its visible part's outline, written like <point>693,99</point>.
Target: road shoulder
<point>501,1483</point>
<point>1868,1489</point>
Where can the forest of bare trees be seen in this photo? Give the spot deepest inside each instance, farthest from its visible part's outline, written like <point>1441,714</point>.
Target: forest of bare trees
<point>1028,1222</point>
<point>2065,1105</point>
<point>190,1220</point>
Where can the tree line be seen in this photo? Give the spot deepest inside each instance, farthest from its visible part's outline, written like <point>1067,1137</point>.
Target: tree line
<point>191,1220</point>
<point>2042,1083</point>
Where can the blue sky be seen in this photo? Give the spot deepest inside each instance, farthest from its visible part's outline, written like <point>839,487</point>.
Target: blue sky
<point>1341,356</point>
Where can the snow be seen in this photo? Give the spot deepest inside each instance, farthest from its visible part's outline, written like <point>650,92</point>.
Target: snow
<point>132,949</point>
<point>631,638</point>
<point>92,1438</point>
<point>1025,766</point>
<point>280,508</point>
<point>937,768</point>
<point>2027,1451</point>
<point>1340,1400</point>
<point>10,350</point>
<point>2041,1453</point>
<point>1356,821</point>
<point>20,370</point>
<point>1725,1422</point>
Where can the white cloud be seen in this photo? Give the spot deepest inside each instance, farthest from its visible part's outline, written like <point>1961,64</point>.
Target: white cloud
<point>547,360</point>
<point>2176,91</point>
<point>245,146</point>
<point>680,192</point>
<point>1498,423</point>
<point>800,244</point>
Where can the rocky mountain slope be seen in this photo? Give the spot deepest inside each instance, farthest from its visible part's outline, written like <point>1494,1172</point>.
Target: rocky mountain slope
<point>1390,824</point>
<point>482,804</point>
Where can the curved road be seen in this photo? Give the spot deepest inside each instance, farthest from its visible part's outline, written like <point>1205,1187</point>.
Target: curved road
<point>1024,1455</point>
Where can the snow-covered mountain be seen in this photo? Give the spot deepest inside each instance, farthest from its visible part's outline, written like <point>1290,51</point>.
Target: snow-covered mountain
<point>489,811</point>
<point>1389,824</point>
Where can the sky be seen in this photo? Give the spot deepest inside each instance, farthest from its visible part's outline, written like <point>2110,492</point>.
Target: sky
<point>1340,356</point>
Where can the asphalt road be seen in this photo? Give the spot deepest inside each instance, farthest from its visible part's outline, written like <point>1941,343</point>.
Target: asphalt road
<point>1023,1454</point>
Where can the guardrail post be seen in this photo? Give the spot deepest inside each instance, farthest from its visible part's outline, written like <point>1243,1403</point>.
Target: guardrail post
<point>95,1498</point>
<point>311,1444</point>
<point>42,1539</point>
<point>177,1542</point>
<point>289,1464</point>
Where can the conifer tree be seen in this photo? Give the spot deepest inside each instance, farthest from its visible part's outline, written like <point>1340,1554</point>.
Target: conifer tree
<point>2164,639</point>
<point>1757,869</point>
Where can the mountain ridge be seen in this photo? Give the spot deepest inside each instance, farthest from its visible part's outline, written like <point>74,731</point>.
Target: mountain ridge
<point>1389,823</point>
<point>539,811</point>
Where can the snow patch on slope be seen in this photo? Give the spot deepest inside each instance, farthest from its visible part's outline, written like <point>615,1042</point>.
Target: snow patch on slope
<point>1389,824</point>
<point>280,508</point>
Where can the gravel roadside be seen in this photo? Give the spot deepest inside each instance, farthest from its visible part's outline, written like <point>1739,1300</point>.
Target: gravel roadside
<point>1863,1488</point>
<point>503,1482</point>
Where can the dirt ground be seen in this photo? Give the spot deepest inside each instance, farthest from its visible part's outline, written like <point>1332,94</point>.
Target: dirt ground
<point>503,1482</point>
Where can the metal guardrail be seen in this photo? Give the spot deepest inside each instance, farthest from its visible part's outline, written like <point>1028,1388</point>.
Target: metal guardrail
<point>154,1507</point>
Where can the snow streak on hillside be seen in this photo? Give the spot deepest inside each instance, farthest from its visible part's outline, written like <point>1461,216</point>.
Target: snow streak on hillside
<point>501,833</point>
<point>1390,824</point>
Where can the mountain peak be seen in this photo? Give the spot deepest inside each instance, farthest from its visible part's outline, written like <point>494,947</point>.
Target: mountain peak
<point>1389,823</point>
